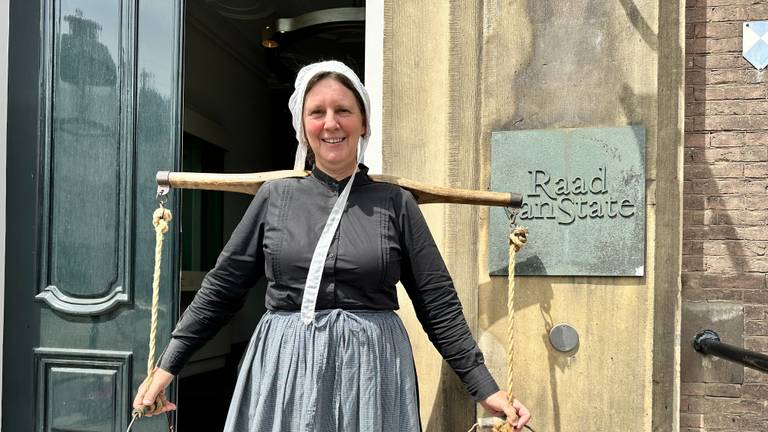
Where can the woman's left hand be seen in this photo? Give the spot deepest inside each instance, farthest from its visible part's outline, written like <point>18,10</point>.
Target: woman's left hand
<point>498,405</point>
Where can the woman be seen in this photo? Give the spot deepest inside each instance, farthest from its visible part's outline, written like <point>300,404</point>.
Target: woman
<point>330,353</point>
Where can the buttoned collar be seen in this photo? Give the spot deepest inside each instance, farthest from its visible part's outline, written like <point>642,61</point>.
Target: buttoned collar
<point>360,178</point>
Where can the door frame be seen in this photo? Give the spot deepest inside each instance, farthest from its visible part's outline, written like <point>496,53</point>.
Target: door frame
<point>374,81</point>
<point>4,12</point>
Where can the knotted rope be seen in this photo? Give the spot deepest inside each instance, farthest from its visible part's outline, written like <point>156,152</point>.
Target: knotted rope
<point>160,219</point>
<point>517,239</point>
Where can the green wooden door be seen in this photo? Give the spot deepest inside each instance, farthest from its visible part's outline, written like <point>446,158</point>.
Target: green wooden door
<point>94,112</point>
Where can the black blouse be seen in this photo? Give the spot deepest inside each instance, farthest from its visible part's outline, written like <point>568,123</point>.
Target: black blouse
<point>382,239</point>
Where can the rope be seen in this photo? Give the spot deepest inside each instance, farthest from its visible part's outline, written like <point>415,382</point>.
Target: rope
<point>517,239</point>
<point>160,219</point>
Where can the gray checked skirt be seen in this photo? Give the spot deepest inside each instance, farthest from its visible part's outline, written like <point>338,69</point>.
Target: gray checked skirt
<point>349,371</point>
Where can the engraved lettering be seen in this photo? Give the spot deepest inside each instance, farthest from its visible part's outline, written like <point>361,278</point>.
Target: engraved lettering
<point>550,214</point>
<point>600,179</point>
<point>525,210</point>
<point>567,212</point>
<point>541,183</point>
<point>629,207</point>
<point>566,199</point>
<point>561,187</point>
<point>595,210</point>
<point>579,186</point>
<point>582,209</point>
<point>611,212</point>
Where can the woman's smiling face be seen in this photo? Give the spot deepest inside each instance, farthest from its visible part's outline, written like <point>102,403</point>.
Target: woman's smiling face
<point>333,125</point>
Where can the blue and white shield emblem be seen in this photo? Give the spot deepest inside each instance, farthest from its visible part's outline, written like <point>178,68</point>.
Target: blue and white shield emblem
<point>755,47</point>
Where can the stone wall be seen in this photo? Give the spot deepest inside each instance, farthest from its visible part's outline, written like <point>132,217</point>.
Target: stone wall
<point>725,215</point>
<point>456,71</point>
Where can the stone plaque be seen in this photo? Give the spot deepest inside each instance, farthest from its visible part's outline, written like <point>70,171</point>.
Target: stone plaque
<point>583,200</point>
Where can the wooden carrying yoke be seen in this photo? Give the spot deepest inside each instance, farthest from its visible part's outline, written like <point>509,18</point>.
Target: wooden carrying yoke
<point>250,183</point>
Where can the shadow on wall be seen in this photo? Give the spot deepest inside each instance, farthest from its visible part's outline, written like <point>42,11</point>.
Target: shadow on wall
<point>720,205</point>
<point>495,335</point>
<point>440,420</point>
<point>640,24</point>
<point>719,215</point>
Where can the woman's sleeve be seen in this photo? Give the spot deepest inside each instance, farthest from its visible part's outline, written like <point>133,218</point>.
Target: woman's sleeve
<point>430,287</point>
<point>223,290</point>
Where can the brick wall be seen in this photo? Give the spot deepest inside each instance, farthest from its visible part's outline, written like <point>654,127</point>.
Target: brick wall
<point>725,231</point>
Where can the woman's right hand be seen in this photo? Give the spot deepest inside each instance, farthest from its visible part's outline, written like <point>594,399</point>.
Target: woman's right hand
<point>517,414</point>
<point>146,396</point>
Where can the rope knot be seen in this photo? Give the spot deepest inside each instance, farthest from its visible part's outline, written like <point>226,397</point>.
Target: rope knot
<point>518,237</point>
<point>503,427</point>
<point>160,219</point>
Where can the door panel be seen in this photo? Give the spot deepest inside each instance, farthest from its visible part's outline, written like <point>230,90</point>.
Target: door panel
<point>97,383</point>
<point>87,187</point>
<point>94,112</point>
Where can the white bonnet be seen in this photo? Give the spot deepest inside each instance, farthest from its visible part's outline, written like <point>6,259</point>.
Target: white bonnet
<point>296,105</point>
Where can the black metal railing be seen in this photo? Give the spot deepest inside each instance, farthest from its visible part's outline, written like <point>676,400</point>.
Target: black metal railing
<point>708,342</point>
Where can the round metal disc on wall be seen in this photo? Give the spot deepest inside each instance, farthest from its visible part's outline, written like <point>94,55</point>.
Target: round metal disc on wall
<point>563,337</point>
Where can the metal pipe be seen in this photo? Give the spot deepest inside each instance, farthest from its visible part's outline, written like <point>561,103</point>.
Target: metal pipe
<point>708,342</point>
